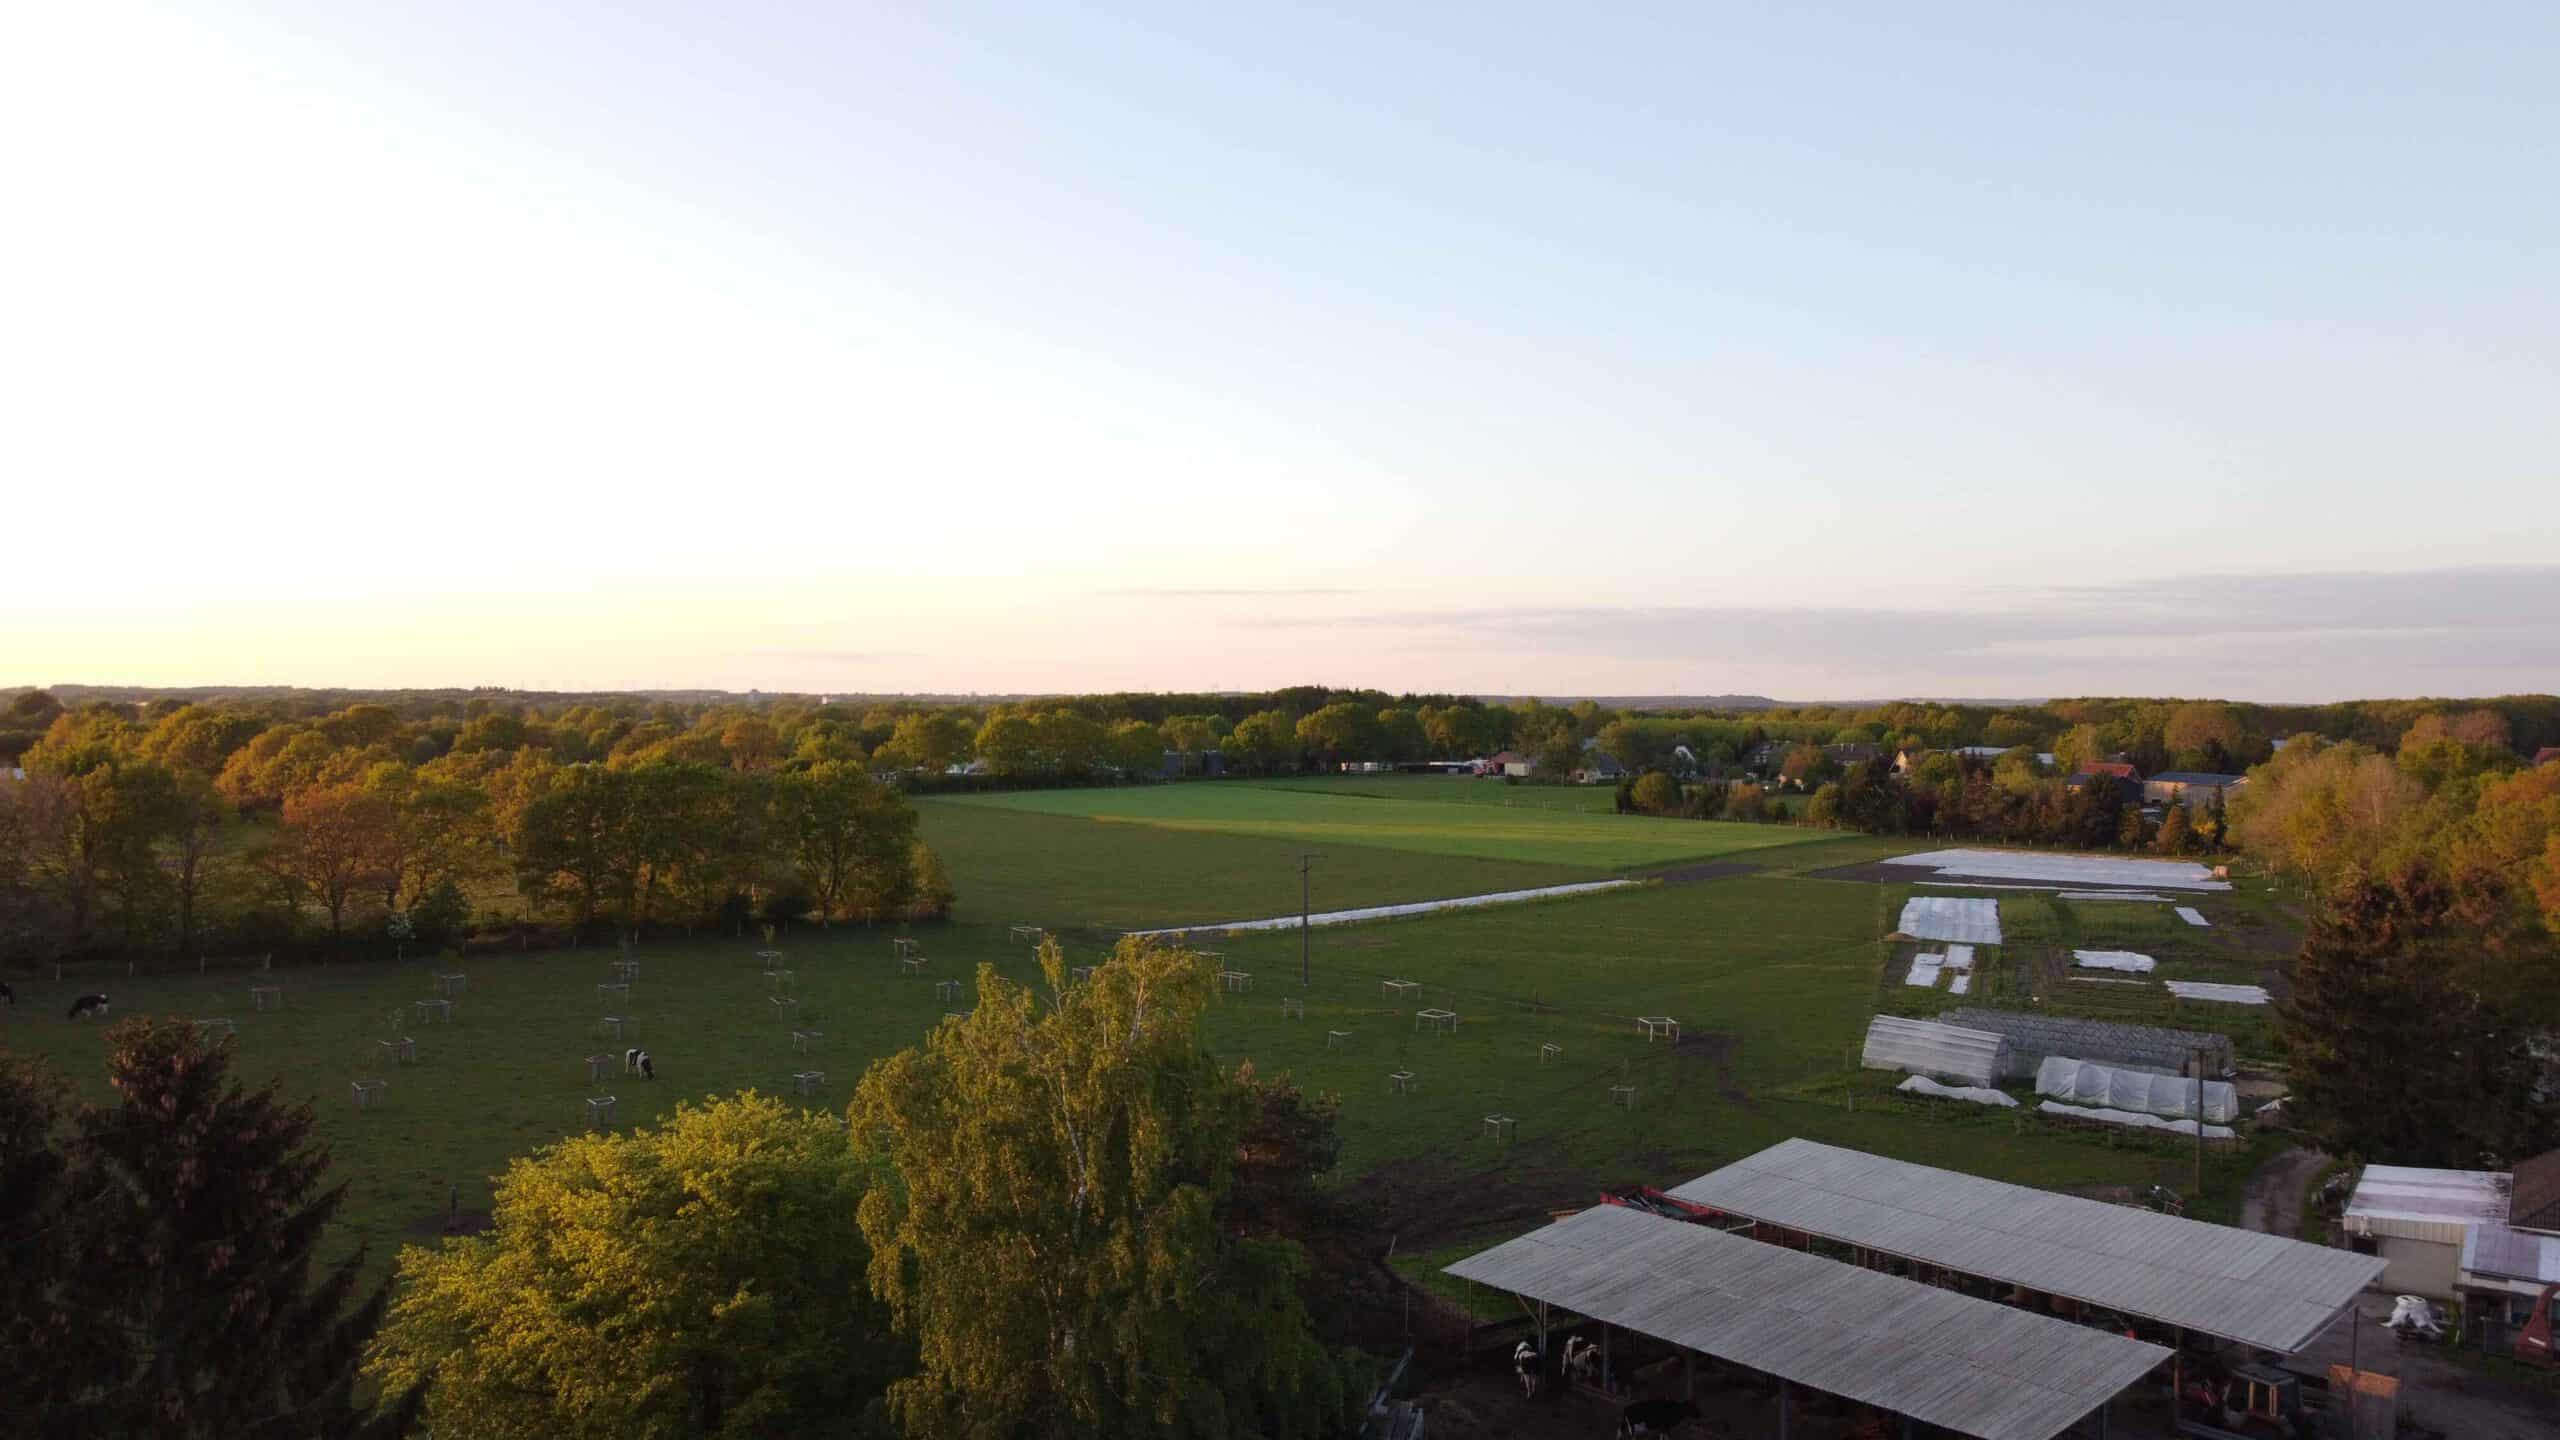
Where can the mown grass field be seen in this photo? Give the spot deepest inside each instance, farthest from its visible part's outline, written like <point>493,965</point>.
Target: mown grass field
<point>1772,975</point>
<point>1451,790</point>
<point>1307,817</point>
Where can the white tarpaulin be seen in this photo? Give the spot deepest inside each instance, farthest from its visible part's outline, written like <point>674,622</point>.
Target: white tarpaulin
<point>2193,916</point>
<point>2066,870</point>
<point>2114,1086</point>
<point>2125,960</point>
<point>2127,1117</point>
<point>1925,1047</point>
<point>1978,1094</point>
<point>1960,983</point>
<point>1959,957</point>
<point>2129,895</point>
<point>1924,971</point>
<point>1948,917</point>
<point>2227,994</point>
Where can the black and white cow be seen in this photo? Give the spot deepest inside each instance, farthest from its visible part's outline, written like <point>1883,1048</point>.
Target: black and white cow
<point>636,1061</point>
<point>1526,1362</point>
<point>1653,1417</point>
<point>88,1005</point>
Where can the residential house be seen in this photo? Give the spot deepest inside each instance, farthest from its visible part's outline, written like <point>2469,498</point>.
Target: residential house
<point>1598,766</point>
<point>1908,758</point>
<point>1854,753</point>
<point>1509,762</point>
<point>2547,755</point>
<point>2191,788</point>
<point>2488,1240</point>
<point>1765,757</point>
<point>2121,769</point>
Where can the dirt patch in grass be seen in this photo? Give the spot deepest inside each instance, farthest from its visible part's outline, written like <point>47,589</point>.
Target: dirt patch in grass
<point>1716,1049</point>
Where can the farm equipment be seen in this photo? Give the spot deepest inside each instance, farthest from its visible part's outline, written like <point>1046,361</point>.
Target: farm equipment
<point>2534,1343</point>
<point>1655,1202</point>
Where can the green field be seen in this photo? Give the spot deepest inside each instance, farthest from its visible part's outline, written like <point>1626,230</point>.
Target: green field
<point>1452,790</point>
<point>1307,817</point>
<point>1772,976</point>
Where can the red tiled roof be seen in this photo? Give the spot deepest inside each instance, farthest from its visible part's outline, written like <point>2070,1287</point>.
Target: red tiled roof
<point>2546,754</point>
<point>2118,768</point>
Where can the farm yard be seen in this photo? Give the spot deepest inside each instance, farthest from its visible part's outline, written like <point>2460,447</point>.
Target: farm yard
<point>1770,974</point>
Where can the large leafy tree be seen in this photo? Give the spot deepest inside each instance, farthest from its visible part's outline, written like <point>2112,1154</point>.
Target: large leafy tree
<point>166,1284</point>
<point>853,839</point>
<point>701,1279</point>
<point>1054,1243</point>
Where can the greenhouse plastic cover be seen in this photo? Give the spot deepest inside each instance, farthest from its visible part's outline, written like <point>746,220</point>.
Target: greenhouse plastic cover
<point>2194,916</point>
<point>1949,917</point>
<point>2125,960</point>
<point>1978,1094</point>
<point>2070,871</point>
<point>2141,1090</point>
<point>2127,1117</point>
<point>1924,1047</point>
<point>2228,994</point>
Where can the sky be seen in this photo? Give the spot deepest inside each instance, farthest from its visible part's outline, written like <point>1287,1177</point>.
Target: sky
<point>1839,351</point>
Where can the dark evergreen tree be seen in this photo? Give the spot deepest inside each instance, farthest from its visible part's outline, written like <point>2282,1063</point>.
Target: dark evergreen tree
<point>194,1309</point>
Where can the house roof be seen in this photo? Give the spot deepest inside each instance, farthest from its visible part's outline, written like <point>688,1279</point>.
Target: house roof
<point>2406,1200</point>
<point>2546,754</point>
<point>2121,769</point>
<point>2200,778</point>
<point>2261,1290</point>
<point>2534,1202</point>
<point>2493,1249</point>
<point>1972,1366</point>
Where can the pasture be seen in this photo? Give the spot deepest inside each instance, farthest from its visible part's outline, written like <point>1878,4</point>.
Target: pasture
<point>1319,817</point>
<point>1772,976</point>
<point>1451,790</point>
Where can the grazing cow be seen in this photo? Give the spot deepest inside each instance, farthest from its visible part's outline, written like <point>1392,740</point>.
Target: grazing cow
<point>88,1005</point>
<point>1654,1417</point>
<point>636,1061</point>
<point>1582,1359</point>
<point>648,1067</point>
<point>1525,1364</point>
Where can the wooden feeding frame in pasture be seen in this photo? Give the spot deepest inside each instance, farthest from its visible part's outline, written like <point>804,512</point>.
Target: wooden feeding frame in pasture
<point>808,1082</point>
<point>1550,1051</point>
<point>601,1067</point>
<point>1029,934</point>
<point>1400,989</point>
<point>902,946</point>
<point>450,986</point>
<point>613,991</point>
<point>266,997</point>
<point>226,1028</point>
<point>1624,1094</point>
<point>780,979</point>
<point>614,1027</point>
<point>1235,980</point>
<point>369,1093</point>
<point>625,971</point>
<point>1502,1127</point>
<point>1292,1008</point>
<point>601,1110</point>
<point>912,965</point>
<point>803,1040</point>
<point>1444,1021</point>
<point>771,960</point>
<point>1079,974</point>
<point>1401,1082</point>
<point>1337,1039</point>
<point>946,990</point>
<point>436,1009</point>
<point>784,1006</point>
<point>398,1050</point>
<point>1657,1026</point>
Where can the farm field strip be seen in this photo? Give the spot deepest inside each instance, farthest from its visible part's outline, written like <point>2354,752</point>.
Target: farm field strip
<point>1592,841</point>
<point>1392,912</point>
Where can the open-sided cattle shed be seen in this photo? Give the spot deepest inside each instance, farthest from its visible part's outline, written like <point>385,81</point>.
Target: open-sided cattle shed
<point>2254,1289</point>
<point>1950,1360</point>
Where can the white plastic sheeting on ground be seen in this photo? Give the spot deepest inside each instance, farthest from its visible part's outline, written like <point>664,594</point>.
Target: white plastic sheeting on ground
<point>2127,1117</point>
<point>1389,912</point>
<point>2131,895</point>
<point>1925,1047</point>
<point>2226,994</point>
<point>1949,917</point>
<point>2118,1088</point>
<point>2065,869</point>
<point>1960,983</point>
<point>2131,962</point>
<point>1978,1094</point>
<point>1924,971</point>
<point>1959,957</point>
<point>2193,916</point>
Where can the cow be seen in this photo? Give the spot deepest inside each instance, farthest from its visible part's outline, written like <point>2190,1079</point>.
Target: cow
<point>88,1005</point>
<point>636,1061</point>
<point>1654,1417</point>
<point>1525,1363</point>
<point>1582,1359</point>
<point>8,996</point>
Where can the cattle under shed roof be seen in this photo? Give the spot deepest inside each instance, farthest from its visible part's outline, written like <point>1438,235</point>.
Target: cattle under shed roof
<point>1967,1365</point>
<point>2256,1289</point>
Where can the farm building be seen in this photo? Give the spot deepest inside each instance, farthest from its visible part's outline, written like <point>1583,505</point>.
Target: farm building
<point>1509,762</point>
<point>2191,788</point>
<point>2417,1220</point>
<point>2034,1038</point>
<point>1966,1365</point>
<point>1924,1047</point>
<point>2236,1285</point>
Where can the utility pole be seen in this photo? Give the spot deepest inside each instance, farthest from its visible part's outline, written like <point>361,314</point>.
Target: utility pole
<point>1306,924</point>
<point>2199,1185</point>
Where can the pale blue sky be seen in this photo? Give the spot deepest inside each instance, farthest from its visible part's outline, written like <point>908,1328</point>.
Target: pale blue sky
<point>1887,349</point>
